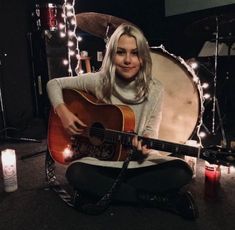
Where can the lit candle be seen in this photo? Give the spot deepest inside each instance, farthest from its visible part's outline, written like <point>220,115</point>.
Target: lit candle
<point>9,170</point>
<point>192,161</point>
<point>212,173</point>
<point>212,180</point>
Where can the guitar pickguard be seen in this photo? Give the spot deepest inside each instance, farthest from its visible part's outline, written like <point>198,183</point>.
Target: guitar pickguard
<point>105,151</point>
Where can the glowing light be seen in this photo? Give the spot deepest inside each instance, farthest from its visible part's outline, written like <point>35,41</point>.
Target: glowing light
<point>65,62</point>
<point>73,22</point>
<point>202,134</point>
<point>62,34</point>
<point>61,26</point>
<point>206,95</point>
<point>71,52</point>
<point>69,6</point>
<point>70,43</point>
<point>71,33</point>
<point>194,65</point>
<point>205,85</point>
<point>69,30</point>
<point>67,153</point>
<point>69,14</point>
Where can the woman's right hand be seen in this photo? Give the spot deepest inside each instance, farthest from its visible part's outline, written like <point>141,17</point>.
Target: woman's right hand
<point>72,124</point>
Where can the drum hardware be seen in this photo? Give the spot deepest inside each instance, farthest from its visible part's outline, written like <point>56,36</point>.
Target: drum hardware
<point>217,29</point>
<point>97,24</point>
<point>3,132</point>
<point>215,105</point>
<point>206,28</point>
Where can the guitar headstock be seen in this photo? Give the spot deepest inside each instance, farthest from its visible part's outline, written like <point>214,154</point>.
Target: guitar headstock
<point>218,155</point>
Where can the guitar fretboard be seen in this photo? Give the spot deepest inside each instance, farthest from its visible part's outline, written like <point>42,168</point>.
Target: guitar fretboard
<point>125,138</point>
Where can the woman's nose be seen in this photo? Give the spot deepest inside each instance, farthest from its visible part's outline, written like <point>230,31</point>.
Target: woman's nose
<point>127,59</point>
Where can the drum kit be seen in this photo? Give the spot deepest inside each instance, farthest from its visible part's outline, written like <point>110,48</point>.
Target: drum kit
<point>183,107</point>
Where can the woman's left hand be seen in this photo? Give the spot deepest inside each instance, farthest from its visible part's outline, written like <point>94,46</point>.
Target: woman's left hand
<point>142,148</point>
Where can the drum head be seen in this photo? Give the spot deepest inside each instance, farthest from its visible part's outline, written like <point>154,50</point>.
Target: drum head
<point>182,103</point>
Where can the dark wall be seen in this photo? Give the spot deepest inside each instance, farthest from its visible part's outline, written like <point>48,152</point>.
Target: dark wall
<point>15,68</point>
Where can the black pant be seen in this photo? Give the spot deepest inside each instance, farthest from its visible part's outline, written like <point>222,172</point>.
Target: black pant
<point>160,178</point>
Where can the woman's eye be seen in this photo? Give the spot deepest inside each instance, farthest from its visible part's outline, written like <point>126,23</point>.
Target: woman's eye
<point>135,53</point>
<point>120,52</point>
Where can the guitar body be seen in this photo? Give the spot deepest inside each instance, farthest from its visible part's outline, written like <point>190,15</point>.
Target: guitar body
<point>90,111</point>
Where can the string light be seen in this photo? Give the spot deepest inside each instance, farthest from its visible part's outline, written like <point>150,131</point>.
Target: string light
<point>68,30</point>
<point>205,85</point>
<point>207,96</point>
<point>202,134</point>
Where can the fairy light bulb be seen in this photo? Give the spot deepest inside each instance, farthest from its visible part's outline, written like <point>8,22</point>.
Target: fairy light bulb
<point>205,85</point>
<point>70,44</point>
<point>65,62</point>
<point>194,65</point>
<point>202,134</point>
<point>71,33</point>
<point>206,95</point>
<point>61,26</point>
<point>62,34</point>
<point>71,52</point>
<point>73,21</point>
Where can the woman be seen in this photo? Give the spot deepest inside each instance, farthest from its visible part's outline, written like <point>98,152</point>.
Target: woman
<point>125,77</point>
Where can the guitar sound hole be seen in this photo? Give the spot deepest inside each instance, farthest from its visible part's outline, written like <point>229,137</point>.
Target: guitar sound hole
<point>96,134</point>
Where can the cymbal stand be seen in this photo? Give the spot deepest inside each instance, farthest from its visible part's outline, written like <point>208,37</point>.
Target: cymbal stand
<point>215,106</point>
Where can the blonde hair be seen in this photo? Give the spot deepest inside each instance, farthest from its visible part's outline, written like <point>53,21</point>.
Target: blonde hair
<point>108,68</point>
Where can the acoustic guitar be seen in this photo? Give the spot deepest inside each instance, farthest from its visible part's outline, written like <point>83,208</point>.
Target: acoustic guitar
<point>109,133</point>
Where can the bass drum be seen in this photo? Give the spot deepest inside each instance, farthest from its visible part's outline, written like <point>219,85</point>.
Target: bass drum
<point>182,108</point>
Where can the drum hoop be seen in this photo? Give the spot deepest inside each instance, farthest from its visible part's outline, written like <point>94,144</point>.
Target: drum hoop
<point>196,83</point>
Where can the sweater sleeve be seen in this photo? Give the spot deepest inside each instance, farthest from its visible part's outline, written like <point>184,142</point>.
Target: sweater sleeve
<point>86,82</point>
<point>155,116</point>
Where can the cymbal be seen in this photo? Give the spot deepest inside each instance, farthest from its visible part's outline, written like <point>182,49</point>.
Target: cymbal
<point>97,24</point>
<point>207,27</point>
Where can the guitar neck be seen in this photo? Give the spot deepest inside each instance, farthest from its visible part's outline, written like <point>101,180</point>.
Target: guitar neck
<point>171,147</point>
<point>125,139</point>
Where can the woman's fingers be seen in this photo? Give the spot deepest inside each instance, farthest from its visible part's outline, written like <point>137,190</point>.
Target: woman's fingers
<point>76,126</point>
<point>138,144</point>
<point>145,150</point>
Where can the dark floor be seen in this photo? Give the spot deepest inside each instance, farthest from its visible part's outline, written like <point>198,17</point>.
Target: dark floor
<point>33,206</point>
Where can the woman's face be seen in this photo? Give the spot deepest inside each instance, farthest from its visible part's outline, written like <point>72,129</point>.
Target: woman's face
<point>127,58</point>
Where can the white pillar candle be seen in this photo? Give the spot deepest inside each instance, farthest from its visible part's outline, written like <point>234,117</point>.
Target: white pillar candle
<point>192,161</point>
<point>9,170</point>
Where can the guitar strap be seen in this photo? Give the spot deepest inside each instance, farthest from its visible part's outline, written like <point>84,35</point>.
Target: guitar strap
<point>90,208</point>
<point>104,202</point>
<point>53,183</point>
